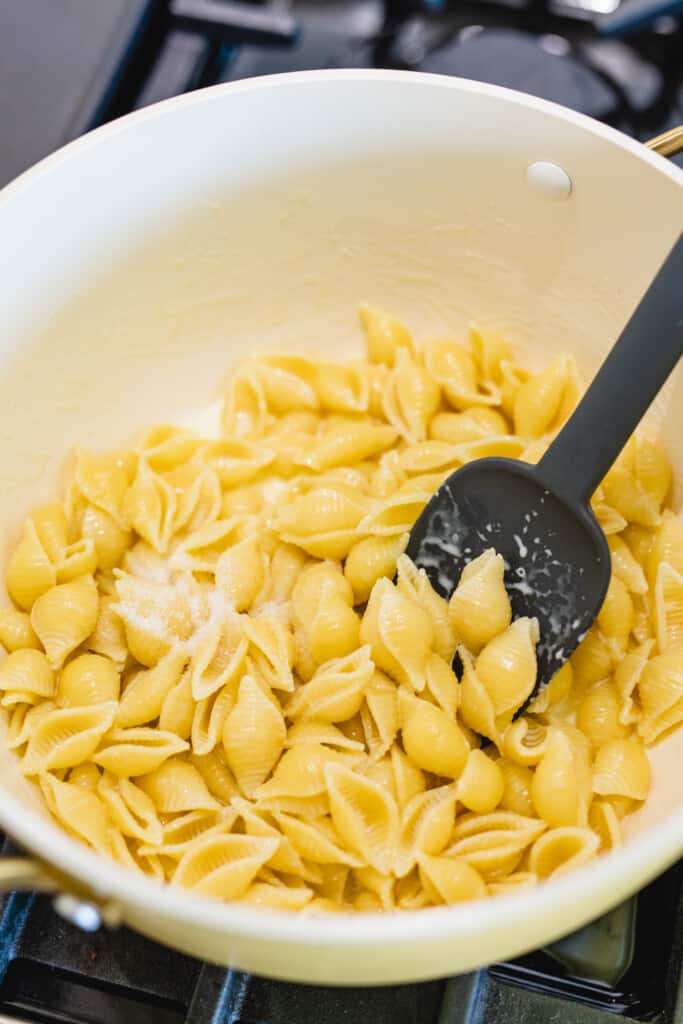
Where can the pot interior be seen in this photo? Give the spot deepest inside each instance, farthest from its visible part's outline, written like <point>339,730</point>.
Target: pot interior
<point>147,260</point>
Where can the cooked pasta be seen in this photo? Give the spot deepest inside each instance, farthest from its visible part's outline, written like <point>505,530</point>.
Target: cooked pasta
<point>223,671</point>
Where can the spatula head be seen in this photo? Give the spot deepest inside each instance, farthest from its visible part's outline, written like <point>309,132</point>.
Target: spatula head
<point>556,556</point>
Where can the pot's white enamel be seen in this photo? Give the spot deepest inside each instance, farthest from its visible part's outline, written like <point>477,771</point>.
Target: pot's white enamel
<point>140,263</point>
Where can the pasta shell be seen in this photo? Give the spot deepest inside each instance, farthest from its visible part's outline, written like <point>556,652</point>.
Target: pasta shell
<point>343,388</point>
<point>23,720</point>
<point>314,842</point>
<point>561,850</point>
<point>27,674</point>
<point>178,709</point>
<point>555,789</point>
<point>288,382</point>
<point>202,550</point>
<point>364,815</point>
<point>336,691</point>
<point>223,866</point>
<point>538,400</point>
<point>323,522</point>
<point>245,410</point>
<point>109,636</point>
<point>426,826</point>
<point>156,615</point>
<point>177,786</point>
<point>592,660</point>
<point>30,573</point>
<point>616,616</point>
<point>145,693</point>
<point>321,732</point>
<point>272,650</point>
<point>88,679</point>
<point>407,779</point>
<point>480,607</point>
<point>622,768</point>
<point>67,736</point>
<point>480,787</point>
<point>456,371</point>
<point>668,607</point>
<point>199,497</point>
<point>104,537</point>
<point>379,715</point>
<point>166,447</point>
<point>64,617</point>
<point>300,772</point>
<point>371,559</point>
<point>525,741</point>
<point>334,630</point>
<point>604,821</point>
<point>448,880</point>
<point>241,573</point>
<point>16,631</point>
<point>598,714</point>
<point>384,335</point>
<point>516,788</point>
<point>138,751</point>
<point>180,834</point>
<point>209,719</point>
<point>489,351</point>
<point>219,780</point>
<point>130,809</point>
<point>507,666</point>
<point>432,740</point>
<point>149,507</point>
<point>476,705</point>
<point>219,658</point>
<point>624,493</point>
<point>253,736</point>
<point>626,678</point>
<point>415,585</point>
<point>626,567</point>
<point>411,399</point>
<point>473,425</point>
<point>665,546</point>
<point>78,559</point>
<point>348,441</point>
<point>493,843</point>
<point>373,883</point>
<point>555,691</point>
<point>102,480</point>
<point>660,689</point>
<point>78,810</point>
<point>399,633</point>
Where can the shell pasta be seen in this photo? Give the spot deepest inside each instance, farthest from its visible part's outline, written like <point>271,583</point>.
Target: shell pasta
<point>223,671</point>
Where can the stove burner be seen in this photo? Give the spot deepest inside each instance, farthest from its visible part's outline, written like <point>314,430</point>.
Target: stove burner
<point>537,65</point>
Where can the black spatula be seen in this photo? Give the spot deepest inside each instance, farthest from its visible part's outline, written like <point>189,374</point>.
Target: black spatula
<point>539,517</point>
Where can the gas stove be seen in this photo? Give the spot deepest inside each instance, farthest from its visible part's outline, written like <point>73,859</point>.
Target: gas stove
<point>67,66</point>
<point>626,965</point>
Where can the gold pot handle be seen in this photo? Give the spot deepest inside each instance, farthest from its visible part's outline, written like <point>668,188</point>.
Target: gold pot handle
<point>24,873</point>
<point>72,900</point>
<point>668,143</point>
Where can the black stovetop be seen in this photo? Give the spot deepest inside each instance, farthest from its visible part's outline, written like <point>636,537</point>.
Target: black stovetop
<point>69,65</point>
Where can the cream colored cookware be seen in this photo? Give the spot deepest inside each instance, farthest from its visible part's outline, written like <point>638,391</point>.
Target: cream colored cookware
<point>138,264</point>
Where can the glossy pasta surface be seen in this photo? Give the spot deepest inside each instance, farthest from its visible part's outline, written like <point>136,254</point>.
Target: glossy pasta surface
<point>222,670</point>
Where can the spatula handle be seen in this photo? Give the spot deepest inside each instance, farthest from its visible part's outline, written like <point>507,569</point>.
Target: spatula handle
<point>635,370</point>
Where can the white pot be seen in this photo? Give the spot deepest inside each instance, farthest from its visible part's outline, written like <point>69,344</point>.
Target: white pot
<point>141,262</point>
